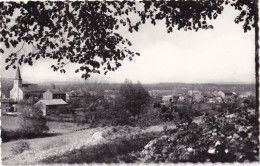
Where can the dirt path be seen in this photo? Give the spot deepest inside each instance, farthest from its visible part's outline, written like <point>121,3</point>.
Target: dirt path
<point>42,148</point>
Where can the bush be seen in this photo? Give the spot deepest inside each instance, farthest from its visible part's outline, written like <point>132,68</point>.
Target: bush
<point>231,136</point>
<point>8,135</point>
<point>20,147</point>
<point>32,121</point>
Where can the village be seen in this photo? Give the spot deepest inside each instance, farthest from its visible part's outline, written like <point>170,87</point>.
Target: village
<point>100,114</point>
<point>129,82</point>
<point>52,100</point>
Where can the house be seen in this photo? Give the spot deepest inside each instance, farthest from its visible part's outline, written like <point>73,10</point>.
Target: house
<point>245,94</point>
<point>215,94</point>
<point>167,99</point>
<point>73,95</point>
<point>22,91</point>
<point>7,105</point>
<point>218,99</point>
<point>54,94</point>
<point>229,94</point>
<point>110,94</point>
<point>221,94</point>
<point>209,97</point>
<point>198,97</point>
<point>51,106</point>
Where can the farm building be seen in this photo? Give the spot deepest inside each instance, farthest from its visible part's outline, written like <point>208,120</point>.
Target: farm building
<point>54,94</point>
<point>50,106</point>
<point>7,106</point>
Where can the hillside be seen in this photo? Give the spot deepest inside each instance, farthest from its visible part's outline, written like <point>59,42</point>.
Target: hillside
<point>58,149</point>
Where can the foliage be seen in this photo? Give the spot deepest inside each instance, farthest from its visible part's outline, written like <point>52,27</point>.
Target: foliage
<point>230,136</point>
<point>133,97</point>
<point>20,147</point>
<point>149,117</point>
<point>87,33</point>
<point>32,121</point>
<point>181,114</point>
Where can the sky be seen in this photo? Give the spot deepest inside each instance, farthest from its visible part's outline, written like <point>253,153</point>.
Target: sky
<point>220,55</point>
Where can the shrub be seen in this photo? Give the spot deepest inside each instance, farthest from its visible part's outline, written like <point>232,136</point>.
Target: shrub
<point>231,136</point>
<point>32,121</point>
<point>20,147</point>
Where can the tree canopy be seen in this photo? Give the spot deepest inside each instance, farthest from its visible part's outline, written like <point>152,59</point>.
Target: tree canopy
<point>88,33</point>
<point>133,97</point>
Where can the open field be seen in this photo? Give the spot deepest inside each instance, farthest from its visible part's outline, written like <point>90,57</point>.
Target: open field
<point>11,123</point>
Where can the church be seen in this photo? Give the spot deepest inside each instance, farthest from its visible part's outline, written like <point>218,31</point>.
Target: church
<point>50,100</point>
<point>22,91</point>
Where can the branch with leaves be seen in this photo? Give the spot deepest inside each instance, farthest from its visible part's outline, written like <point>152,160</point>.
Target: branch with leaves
<point>86,33</point>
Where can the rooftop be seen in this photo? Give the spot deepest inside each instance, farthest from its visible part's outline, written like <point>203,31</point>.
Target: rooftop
<point>56,91</point>
<point>53,102</point>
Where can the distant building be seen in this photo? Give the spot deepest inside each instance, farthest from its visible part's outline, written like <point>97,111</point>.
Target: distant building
<point>221,94</point>
<point>198,98</point>
<point>193,92</point>
<point>215,94</point>
<point>92,93</point>
<point>110,94</point>
<point>51,106</point>
<point>22,91</point>
<point>167,99</point>
<point>7,106</point>
<point>246,94</point>
<point>73,95</point>
<point>228,94</point>
<point>54,94</point>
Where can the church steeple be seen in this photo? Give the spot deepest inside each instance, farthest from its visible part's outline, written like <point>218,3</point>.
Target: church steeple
<point>18,74</point>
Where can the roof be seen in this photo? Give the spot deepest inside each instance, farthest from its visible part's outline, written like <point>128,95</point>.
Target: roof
<point>6,100</point>
<point>56,91</point>
<point>215,93</point>
<point>18,74</point>
<point>52,102</point>
<point>198,96</point>
<point>31,89</point>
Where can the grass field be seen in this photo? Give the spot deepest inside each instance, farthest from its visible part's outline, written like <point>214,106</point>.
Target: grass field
<point>12,123</point>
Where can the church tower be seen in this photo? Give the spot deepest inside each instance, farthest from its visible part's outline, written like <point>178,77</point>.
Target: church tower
<point>18,81</point>
<point>16,93</point>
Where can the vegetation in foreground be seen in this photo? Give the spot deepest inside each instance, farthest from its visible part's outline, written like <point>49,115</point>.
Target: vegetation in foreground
<point>230,136</point>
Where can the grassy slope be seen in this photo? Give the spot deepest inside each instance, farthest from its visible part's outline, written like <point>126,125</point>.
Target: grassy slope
<point>58,147</point>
